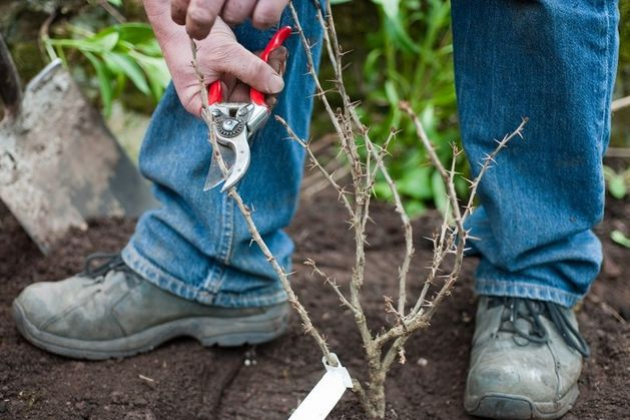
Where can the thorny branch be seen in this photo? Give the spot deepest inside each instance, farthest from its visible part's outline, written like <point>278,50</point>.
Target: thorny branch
<point>316,163</point>
<point>449,241</point>
<point>330,281</point>
<point>309,328</point>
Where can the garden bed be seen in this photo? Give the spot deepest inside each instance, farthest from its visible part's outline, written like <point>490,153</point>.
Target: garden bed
<point>182,380</point>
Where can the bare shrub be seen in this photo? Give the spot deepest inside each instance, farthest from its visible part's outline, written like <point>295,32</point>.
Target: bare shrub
<point>367,161</point>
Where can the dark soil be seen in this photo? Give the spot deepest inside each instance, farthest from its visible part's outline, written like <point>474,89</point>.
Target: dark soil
<point>182,380</point>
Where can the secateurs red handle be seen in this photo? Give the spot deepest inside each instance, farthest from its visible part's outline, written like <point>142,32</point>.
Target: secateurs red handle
<point>215,91</point>
<point>278,39</point>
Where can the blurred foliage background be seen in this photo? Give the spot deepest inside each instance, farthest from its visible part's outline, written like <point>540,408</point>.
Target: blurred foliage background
<point>399,50</point>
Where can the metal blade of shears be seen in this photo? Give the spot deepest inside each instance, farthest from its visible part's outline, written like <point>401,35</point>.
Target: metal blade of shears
<point>240,147</point>
<point>215,176</point>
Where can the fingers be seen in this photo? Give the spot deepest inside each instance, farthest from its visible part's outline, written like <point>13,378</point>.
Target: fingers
<point>201,15</point>
<point>268,12</point>
<point>236,11</point>
<point>278,60</point>
<point>247,67</point>
<point>220,56</point>
<point>240,92</point>
<point>179,8</point>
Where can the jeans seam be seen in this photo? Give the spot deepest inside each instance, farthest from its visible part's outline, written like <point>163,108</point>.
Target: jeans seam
<point>606,79</point>
<point>216,276</point>
<point>228,235</point>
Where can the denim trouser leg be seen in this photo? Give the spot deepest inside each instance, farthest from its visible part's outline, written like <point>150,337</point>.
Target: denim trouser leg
<point>197,244</point>
<point>553,61</point>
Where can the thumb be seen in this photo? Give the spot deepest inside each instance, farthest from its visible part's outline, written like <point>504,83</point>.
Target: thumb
<point>241,63</point>
<point>240,92</point>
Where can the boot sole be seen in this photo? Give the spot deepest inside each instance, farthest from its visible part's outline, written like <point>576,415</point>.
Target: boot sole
<point>505,406</point>
<point>224,332</point>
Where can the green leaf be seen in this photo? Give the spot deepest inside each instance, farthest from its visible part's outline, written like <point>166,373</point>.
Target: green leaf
<point>121,82</point>
<point>415,208</point>
<point>117,3</point>
<point>125,64</point>
<point>371,65</point>
<point>106,39</point>
<point>617,186</point>
<point>439,191</point>
<point>428,118</point>
<point>135,32</point>
<point>390,7</point>
<point>416,183</point>
<point>461,187</point>
<point>619,238</point>
<point>392,94</point>
<point>400,36</point>
<point>382,190</point>
<point>81,45</point>
<point>395,25</point>
<point>104,82</point>
<point>156,72</point>
<point>608,172</point>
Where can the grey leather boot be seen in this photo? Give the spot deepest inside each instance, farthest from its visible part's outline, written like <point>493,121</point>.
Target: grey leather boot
<point>526,360</point>
<point>111,311</point>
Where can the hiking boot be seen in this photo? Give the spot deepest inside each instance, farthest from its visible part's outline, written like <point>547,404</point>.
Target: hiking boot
<point>110,312</point>
<point>526,360</point>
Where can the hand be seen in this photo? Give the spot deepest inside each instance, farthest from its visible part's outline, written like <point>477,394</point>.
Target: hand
<point>200,15</point>
<point>219,56</point>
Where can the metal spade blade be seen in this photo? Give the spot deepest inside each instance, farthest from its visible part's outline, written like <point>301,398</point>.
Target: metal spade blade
<point>59,164</point>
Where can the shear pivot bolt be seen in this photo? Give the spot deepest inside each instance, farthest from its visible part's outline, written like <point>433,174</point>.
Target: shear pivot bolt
<point>229,125</point>
<point>245,110</point>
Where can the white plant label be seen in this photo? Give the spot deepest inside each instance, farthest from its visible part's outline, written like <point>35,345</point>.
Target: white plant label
<point>326,394</point>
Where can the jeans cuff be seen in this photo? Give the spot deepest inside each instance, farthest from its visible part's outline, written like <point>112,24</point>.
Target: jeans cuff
<point>522,289</point>
<point>160,278</point>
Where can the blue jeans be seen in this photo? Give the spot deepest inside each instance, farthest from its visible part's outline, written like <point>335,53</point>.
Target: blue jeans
<point>553,61</point>
<point>541,59</point>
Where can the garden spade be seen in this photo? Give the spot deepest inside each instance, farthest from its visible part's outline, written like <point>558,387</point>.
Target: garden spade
<point>59,164</point>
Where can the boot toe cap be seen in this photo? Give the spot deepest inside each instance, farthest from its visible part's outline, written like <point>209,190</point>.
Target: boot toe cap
<point>516,378</point>
<point>36,304</point>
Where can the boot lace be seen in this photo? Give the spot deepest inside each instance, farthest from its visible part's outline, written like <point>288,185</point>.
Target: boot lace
<point>531,311</point>
<point>110,262</point>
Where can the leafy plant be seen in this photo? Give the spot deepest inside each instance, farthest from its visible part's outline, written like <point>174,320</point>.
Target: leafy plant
<point>118,53</point>
<point>617,182</point>
<point>620,238</point>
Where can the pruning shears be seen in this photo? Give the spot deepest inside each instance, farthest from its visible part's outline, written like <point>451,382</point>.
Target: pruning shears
<point>235,123</point>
